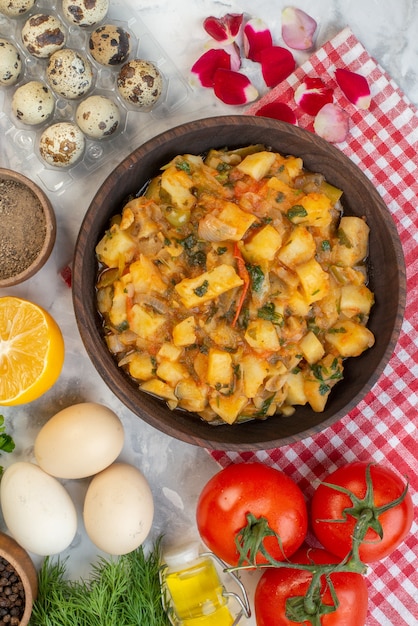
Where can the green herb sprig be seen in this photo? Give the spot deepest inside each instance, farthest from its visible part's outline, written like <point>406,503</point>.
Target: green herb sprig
<point>121,591</point>
<point>6,441</point>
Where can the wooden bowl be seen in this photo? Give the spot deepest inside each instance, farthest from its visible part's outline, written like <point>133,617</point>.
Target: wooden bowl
<point>27,250</point>
<point>386,277</point>
<point>23,565</point>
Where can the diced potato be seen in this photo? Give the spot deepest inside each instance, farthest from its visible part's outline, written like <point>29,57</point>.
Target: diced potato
<point>169,351</point>
<point>171,371</point>
<point>298,305</point>
<point>177,184</point>
<point>236,218</point>
<point>356,300</point>
<point>228,407</point>
<point>184,333</point>
<point>262,335</point>
<point>254,372</point>
<point>118,314</point>
<point>293,166</point>
<point>145,322</point>
<point>316,394</point>
<point>316,210</point>
<point>295,388</point>
<point>312,348</point>
<point>257,165</point>
<point>353,241</point>
<point>116,248</point>
<point>333,193</point>
<point>314,280</point>
<point>146,276</point>
<point>349,338</point>
<point>191,395</point>
<point>220,370</point>
<point>299,247</point>
<point>209,285</point>
<point>159,388</point>
<point>263,246</point>
<point>200,366</point>
<point>282,194</point>
<point>141,366</point>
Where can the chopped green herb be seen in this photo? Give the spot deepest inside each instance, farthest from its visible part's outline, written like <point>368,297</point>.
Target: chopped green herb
<point>122,326</point>
<point>343,238</point>
<point>324,389</point>
<point>335,331</point>
<point>325,245</point>
<point>280,197</point>
<point>200,291</point>
<point>297,210</point>
<point>257,277</point>
<point>221,250</point>
<point>268,312</point>
<point>183,166</point>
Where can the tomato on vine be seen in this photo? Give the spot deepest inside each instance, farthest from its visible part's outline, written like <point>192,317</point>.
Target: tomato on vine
<point>285,597</point>
<point>250,511</point>
<point>363,496</point>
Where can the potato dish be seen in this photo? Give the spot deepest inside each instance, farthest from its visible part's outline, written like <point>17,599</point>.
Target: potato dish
<point>234,287</point>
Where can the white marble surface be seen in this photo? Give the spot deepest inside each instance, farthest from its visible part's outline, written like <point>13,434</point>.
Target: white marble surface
<point>177,471</point>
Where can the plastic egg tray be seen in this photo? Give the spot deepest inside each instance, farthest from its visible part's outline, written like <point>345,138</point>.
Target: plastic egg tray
<point>21,141</point>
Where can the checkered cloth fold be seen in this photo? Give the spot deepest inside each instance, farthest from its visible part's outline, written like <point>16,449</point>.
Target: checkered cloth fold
<point>383,141</point>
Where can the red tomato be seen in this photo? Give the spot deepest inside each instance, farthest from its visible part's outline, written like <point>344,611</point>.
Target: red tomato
<point>277,585</point>
<point>329,504</point>
<point>254,488</point>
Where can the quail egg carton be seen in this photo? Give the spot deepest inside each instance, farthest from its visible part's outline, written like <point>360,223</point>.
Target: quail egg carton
<point>22,140</point>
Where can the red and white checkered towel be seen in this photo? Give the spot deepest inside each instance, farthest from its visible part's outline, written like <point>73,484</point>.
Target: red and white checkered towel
<point>383,141</point>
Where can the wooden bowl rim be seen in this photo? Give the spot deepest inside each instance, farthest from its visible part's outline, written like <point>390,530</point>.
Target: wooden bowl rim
<point>50,228</point>
<point>19,559</point>
<point>206,435</point>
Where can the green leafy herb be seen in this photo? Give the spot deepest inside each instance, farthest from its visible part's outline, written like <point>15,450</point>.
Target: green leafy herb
<point>257,276</point>
<point>183,166</point>
<point>297,210</point>
<point>268,312</point>
<point>221,250</point>
<point>343,238</point>
<point>6,441</point>
<point>121,591</point>
<point>325,245</point>
<point>202,289</point>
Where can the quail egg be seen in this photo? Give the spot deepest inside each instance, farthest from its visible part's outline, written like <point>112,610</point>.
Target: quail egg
<point>98,117</point>
<point>42,35</point>
<point>10,63</point>
<point>61,144</point>
<point>110,45</point>
<point>69,73</point>
<point>15,8</point>
<point>140,83</point>
<point>85,12</point>
<point>33,103</point>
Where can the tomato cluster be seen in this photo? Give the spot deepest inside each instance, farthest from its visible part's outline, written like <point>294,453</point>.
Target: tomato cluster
<point>250,514</point>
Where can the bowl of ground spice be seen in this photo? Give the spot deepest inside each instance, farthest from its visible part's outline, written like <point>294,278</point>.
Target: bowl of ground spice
<point>28,228</point>
<point>18,583</point>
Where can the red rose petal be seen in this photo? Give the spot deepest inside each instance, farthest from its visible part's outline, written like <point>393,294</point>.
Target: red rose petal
<point>312,94</point>
<point>332,123</point>
<point>233,88</point>
<point>66,275</point>
<point>235,55</point>
<point>224,28</point>
<point>277,64</point>
<point>206,65</point>
<point>298,28</point>
<point>278,111</point>
<point>355,87</point>
<point>256,37</point>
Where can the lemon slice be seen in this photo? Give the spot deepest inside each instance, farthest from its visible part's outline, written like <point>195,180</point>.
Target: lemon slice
<point>31,351</point>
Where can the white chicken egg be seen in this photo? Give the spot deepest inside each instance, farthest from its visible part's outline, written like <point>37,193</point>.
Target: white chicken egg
<point>98,117</point>
<point>33,103</point>
<point>69,73</point>
<point>118,509</point>
<point>37,509</point>
<point>85,12</point>
<point>79,441</point>
<point>61,144</point>
<point>15,8</point>
<point>42,35</point>
<point>110,45</point>
<point>10,63</point>
<point>140,83</point>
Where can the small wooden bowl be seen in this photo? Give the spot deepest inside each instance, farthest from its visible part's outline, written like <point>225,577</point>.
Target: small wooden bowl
<point>23,565</point>
<point>386,269</point>
<point>46,246</point>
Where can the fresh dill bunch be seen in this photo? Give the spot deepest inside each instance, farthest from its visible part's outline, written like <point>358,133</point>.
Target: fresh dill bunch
<point>121,591</point>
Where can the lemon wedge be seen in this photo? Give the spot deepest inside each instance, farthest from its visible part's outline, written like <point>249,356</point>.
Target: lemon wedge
<point>31,351</point>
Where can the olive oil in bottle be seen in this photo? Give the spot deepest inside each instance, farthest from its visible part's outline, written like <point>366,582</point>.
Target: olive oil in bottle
<point>195,589</point>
